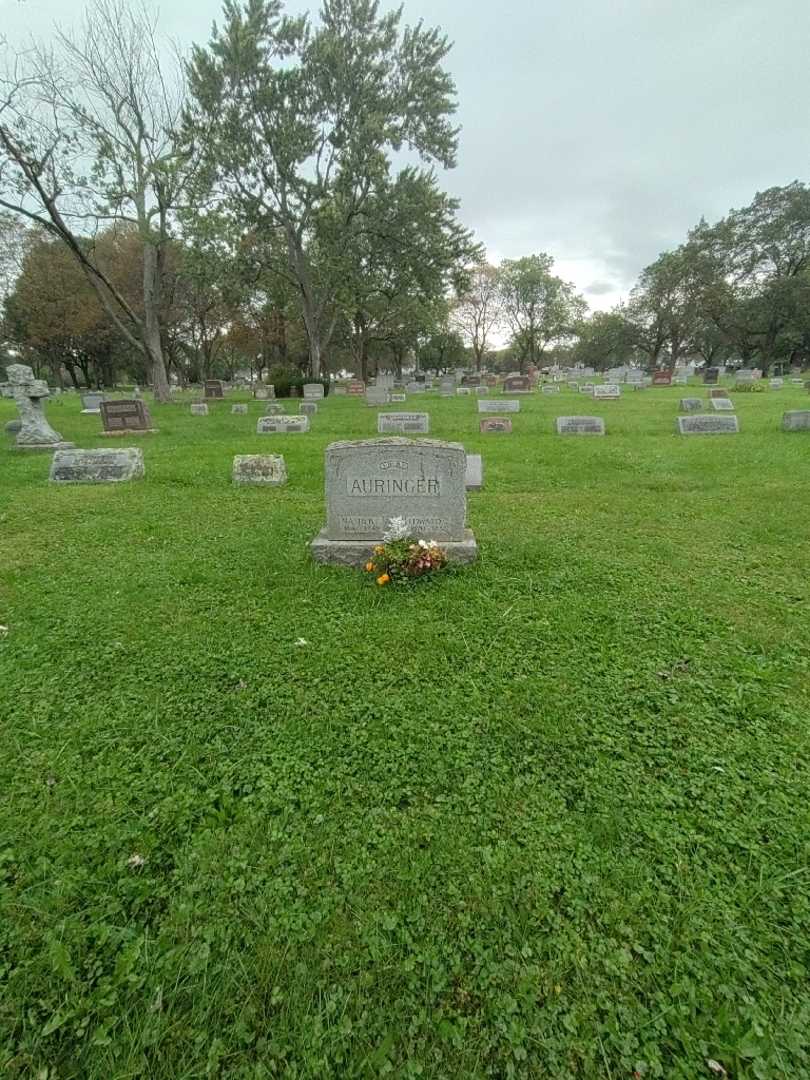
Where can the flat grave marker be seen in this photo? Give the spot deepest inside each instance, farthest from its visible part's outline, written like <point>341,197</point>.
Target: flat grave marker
<point>607,392</point>
<point>96,466</point>
<point>199,409</point>
<point>722,404</point>
<point>490,424</point>
<point>708,425</point>
<point>401,422</point>
<point>580,425</point>
<point>282,425</point>
<point>690,404</point>
<point>796,420</point>
<point>264,469</point>
<point>502,405</point>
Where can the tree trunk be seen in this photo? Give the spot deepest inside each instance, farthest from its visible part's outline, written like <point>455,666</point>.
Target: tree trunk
<point>153,345</point>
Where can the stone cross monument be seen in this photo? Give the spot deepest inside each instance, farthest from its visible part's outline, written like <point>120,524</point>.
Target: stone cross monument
<point>29,393</point>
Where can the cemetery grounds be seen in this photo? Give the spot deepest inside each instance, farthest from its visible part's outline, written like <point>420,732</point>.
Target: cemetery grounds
<point>543,817</point>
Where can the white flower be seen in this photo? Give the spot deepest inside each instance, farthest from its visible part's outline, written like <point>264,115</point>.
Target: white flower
<point>423,544</point>
<point>136,861</point>
<point>301,641</point>
<point>397,529</point>
<point>3,631</point>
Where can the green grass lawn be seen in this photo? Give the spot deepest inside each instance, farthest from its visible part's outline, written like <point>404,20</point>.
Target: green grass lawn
<point>544,817</point>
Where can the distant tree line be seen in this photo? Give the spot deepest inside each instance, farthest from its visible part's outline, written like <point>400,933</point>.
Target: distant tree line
<point>241,211</point>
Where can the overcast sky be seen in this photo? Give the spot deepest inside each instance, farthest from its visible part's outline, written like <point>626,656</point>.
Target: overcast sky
<point>596,130</point>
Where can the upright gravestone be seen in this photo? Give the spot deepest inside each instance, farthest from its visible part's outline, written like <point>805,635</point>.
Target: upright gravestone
<point>474,473</point>
<point>549,388</point>
<point>282,425</point>
<point>35,432</point>
<point>313,391</point>
<point>586,388</point>
<point>414,387</point>
<point>265,469</point>
<point>126,417</point>
<point>662,378</point>
<point>239,410</point>
<point>274,408</point>
<point>499,406</point>
<point>401,422</point>
<point>711,376</point>
<point>398,399</point>
<point>91,404</point>
<point>708,425</point>
<point>199,409</point>
<point>213,388</point>
<point>356,388</point>
<point>482,389</point>
<point>261,394</point>
<point>517,384</point>
<point>372,482</point>
<point>463,391</point>
<point>580,425</point>
<point>796,420</point>
<point>96,466</point>
<point>690,404</point>
<point>447,387</point>
<point>308,408</point>
<point>495,423</point>
<point>376,397</point>
<point>777,383</point>
<point>745,377</point>
<point>607,392</point>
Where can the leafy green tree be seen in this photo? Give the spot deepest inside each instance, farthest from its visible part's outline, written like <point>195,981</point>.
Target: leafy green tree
<point>106,98</point>
<point>301,121</point>
<point>538,307</point>
<point>604,339</point>
<point>477,311</point>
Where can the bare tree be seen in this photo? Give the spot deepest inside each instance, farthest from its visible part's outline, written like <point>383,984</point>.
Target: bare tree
<point>89,136</point>
<point>477,312</point>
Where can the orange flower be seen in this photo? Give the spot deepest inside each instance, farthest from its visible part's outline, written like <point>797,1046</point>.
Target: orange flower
<point>383,579</point>
<point>369,566</point>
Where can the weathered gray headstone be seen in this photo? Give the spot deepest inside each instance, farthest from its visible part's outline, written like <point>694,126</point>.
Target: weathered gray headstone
<point>274,408</point>
<point>239,410</point>
<point>607,391</point>
<point>372,482</point>
<point>501,405</point>
<point>96,466</point>
<point>35,432</point>
<point>447,387</point>
<point>549,388</point>
<point>91,404</point>
<point>376,396</point>
<point>580,425</point>
<point>586,388</point>
<point>259,469</point>
<point>722,404</point>
<point>463,391</point>
<point>313,391</point>
<point>308,408</point>
<point>708,425</point>
<point>474,474</point>
<point>414,387</point>
<point>517,384</point>
<point>126,417</point>
<point>482,389</point>
<point>398,399</point>
<point>495,423</point>
<point>401,422</point>
<point>282,425</point>
<point>261,393</point>
<point>777,383</point>
<point>199,409</point>
<point>796,420</point>
<point>690,404</point>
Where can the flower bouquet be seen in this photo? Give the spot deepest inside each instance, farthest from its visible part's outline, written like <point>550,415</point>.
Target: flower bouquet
<point>402,558</point>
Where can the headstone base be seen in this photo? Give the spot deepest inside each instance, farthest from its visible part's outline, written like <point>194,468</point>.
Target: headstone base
<point>131,431</point>
<point>358,552</point>
<point>45,446</point>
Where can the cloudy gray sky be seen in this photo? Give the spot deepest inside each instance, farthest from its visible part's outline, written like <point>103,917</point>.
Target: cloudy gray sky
<point>596,130</point>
